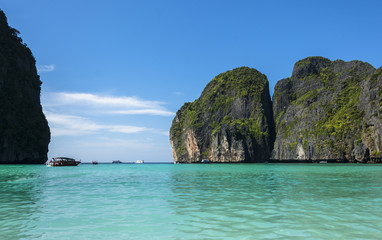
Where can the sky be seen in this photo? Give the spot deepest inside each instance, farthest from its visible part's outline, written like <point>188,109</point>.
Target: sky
<point>115,72</point>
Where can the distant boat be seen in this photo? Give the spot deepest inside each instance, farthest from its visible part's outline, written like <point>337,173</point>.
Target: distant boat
<point>117,161</point>
<point>62,162</point>
<point>205,161</point>
<point>324,161</point>
<point>140,161</point>
<point>94,162</point>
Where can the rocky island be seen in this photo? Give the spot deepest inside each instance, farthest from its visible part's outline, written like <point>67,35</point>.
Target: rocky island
<point>24,131</point>
<point>232,121</point>
<point>327,110</point>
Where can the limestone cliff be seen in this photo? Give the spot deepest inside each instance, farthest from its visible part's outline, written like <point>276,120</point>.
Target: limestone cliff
<point>232,121</point>
<point>329,110</point>
<point>24,131</point>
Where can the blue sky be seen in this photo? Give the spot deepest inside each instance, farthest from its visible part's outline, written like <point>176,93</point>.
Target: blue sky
<point>115,72</point>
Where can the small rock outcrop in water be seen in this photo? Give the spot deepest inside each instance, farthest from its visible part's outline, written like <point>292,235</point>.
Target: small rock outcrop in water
<point>24,131</point>
<point>329,110</point>
<point>232,121</point>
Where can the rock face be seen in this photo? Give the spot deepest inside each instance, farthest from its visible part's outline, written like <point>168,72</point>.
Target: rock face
<point>232,121</point>
<point>329,110</point>
<point>24,131</point>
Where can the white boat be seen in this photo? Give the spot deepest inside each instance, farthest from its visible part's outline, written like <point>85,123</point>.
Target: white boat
<point>205,161</point>
<point>324,161</point>
<point>139,161</point>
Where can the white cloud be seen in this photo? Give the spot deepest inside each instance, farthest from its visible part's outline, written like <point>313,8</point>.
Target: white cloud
<point>125,129</point>
<point>143,112</point>
<point>70,125</point>
<point>165,133</point>
<point>106,104</point>
<point>45,68</point>
<point>81,114</point>
<point>98,100</point>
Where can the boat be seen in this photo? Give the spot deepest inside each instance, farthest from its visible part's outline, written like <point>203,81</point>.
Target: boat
<point>94,162</point>
<point>62,162</point>
<point>324,161</point>
<point>205,161</point>
<point>116,161</point>
<point>140,161</point>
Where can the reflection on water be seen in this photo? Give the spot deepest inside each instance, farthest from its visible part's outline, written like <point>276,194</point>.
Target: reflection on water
<point>238,201</point>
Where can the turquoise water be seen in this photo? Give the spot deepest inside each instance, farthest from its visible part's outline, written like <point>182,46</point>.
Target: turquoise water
<point>167,201</point>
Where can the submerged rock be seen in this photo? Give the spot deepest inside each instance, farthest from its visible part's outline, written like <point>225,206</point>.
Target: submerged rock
<point>329,110</point>
<point>24,131</point>
<point>232,121</point>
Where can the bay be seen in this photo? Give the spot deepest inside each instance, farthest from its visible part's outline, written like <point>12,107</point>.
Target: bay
<point>201,201</point>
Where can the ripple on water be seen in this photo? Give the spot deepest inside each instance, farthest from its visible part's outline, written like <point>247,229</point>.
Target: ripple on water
<point>255,201</point>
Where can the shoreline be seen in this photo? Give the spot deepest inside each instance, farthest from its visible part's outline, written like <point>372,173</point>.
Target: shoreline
<point>313,161</point>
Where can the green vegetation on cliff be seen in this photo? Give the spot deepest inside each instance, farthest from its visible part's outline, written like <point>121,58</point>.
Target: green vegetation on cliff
<point>233,101</point>
<point>322,108</point>
<point>325,110</point>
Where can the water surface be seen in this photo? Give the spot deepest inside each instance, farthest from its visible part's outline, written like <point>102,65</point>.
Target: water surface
<point>167,201</point>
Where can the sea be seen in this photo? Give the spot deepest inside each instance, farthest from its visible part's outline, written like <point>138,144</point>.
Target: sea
<point>191,201</point>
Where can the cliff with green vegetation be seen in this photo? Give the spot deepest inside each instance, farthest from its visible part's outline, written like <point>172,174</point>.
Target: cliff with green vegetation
<point>232,121</point>
<point>24,131</point>
<point>329,110</point>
